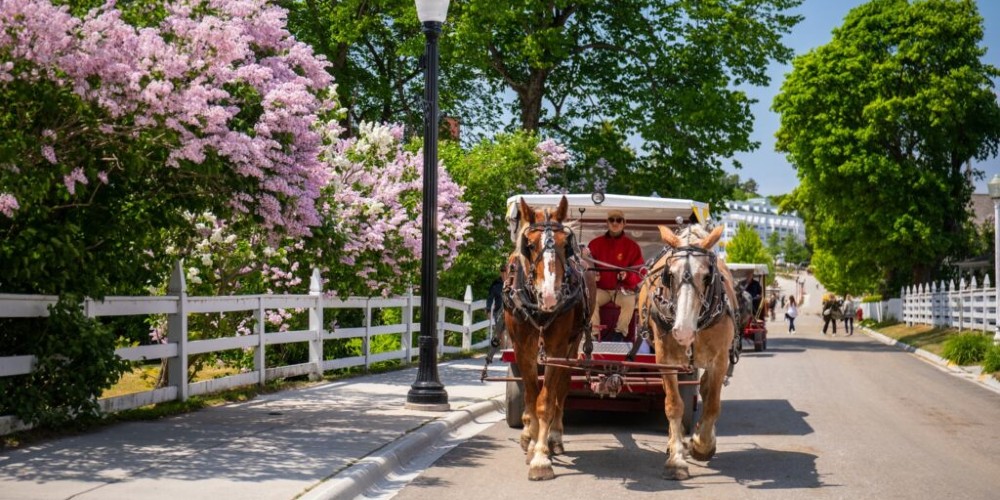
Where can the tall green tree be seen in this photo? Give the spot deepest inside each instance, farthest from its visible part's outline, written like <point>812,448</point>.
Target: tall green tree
<point>374,49</point>
<point>900,99</point>
<point>665,73</point>
<point>746,247</point>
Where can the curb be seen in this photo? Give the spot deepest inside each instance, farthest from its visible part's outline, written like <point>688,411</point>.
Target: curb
<point>984,380</point>
<point>367,471</point>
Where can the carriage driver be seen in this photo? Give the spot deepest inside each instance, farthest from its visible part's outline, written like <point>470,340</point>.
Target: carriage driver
<point>614,248</point>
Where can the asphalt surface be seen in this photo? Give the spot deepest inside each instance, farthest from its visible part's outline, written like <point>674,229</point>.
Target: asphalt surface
<point>336,440</point>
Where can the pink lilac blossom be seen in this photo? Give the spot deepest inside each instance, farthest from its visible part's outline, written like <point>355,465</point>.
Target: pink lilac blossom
<point>8,205</point>
<point>74,177</point>
<point>551,156</point>
<point>50,154</point>
<point>176,76</point>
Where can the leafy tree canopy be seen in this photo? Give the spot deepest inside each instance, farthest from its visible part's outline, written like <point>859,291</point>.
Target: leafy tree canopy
<point>746,247</point>
<point>661,71</point>
<point>899,100</point>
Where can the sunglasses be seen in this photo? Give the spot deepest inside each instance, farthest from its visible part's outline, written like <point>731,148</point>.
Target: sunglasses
<point>616,220</point>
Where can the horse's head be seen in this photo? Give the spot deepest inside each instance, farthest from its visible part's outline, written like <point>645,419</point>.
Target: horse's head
<point>691,275</point>
<point>545,246</point>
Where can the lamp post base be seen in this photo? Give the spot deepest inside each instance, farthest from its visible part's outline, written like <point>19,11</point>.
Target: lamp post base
<point>427,396</point>
<point>427,407</point>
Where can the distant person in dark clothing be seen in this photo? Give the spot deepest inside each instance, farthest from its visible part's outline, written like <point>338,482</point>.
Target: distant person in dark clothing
<point>752,286</point>
<point>494,301</point>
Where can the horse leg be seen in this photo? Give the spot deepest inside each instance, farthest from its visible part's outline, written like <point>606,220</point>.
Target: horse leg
<point>676,467</point>
<point>539,457</point>
<point>556,432</point>
<point>526,354</point>
<point>556,429</point>
<point>703,441</point>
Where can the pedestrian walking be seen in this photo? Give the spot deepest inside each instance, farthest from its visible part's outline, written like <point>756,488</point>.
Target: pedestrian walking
<point>772,306</point>
<point>791,313</point>
<point>832,312</point>
<point>849,311</point>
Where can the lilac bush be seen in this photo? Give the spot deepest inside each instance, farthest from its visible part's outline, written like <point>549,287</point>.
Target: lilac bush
<point>372,208</point>
<point>216,81</point>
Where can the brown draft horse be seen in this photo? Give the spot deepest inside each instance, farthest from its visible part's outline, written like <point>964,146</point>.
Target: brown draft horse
<point>688,303</point>
<point>548,296</point>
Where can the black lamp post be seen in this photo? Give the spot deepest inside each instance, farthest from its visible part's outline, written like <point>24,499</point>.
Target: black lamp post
<point>427,393</point>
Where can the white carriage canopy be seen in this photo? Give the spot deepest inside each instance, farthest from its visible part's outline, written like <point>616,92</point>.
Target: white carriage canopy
<point>642,214</point>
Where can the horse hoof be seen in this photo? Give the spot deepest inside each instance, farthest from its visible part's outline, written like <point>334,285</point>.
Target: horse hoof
<point>557,448</point>
<point>541,473</point>
<point>702,455</point>
<point>525,441</point>
<point>676,473</point>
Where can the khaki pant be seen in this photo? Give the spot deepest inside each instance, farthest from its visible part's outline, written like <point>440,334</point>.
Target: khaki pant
<point>625,301</point>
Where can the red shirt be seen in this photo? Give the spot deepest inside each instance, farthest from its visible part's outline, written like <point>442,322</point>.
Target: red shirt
<point>618,251</point>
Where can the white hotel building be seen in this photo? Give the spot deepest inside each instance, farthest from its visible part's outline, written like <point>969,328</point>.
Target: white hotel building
<point>762,217</point>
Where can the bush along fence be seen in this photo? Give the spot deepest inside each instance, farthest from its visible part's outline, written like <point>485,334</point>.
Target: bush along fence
<point>179,346</point>
<point>967,306</point>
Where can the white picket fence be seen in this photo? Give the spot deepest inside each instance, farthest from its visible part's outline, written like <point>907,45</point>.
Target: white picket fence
<point>177,305</point>
<point>967,306</point>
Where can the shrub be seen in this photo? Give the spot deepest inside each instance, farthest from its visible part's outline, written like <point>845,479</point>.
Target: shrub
<point>991,362</point>
<point>967,348</point>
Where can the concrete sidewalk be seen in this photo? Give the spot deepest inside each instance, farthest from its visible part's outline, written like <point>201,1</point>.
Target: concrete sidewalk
<point>332,440</point>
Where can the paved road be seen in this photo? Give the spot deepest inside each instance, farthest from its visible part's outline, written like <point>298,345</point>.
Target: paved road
<point>814,416</point>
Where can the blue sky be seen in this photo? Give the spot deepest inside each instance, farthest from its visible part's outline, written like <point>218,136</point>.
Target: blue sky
<point>773,173</point>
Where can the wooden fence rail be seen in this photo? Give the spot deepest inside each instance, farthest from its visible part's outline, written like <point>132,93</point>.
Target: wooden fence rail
<point>178,347</point>
<point>967,306</point>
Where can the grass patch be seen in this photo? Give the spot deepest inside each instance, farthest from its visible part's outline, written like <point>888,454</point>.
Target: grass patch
<point>926,337</point>
<point>929,338</point>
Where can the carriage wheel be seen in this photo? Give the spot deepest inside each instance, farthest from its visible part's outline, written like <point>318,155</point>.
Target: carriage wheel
<point>689,396</point>
<point>515,399</point>
<point>758,341</point>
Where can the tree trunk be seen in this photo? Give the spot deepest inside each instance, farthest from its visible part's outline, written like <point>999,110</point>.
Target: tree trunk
<point>530,99</point>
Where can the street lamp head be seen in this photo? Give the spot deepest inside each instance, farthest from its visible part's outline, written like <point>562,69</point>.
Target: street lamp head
<point>994,187</point>
<point>432,11</point>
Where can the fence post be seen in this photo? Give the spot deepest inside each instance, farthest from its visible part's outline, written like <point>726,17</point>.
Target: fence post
<point>366,343</point>
<point>442,312</point>
<point>467,320</point>
<point>408,320</point>
<point>260,358</point>
<point>177,332</point>
<point>316,325</point>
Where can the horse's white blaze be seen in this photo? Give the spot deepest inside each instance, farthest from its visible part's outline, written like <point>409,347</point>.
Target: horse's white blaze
<point>686,320</point>
<point>549,280</point>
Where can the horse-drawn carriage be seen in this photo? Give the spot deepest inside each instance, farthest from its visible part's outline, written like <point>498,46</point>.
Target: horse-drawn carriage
<point>686,314</point>
<point>755,327</point>
<point>643,388</point>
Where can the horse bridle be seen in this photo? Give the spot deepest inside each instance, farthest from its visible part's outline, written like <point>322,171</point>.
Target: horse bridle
<point>714,302</point>
<point>520,294</point>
